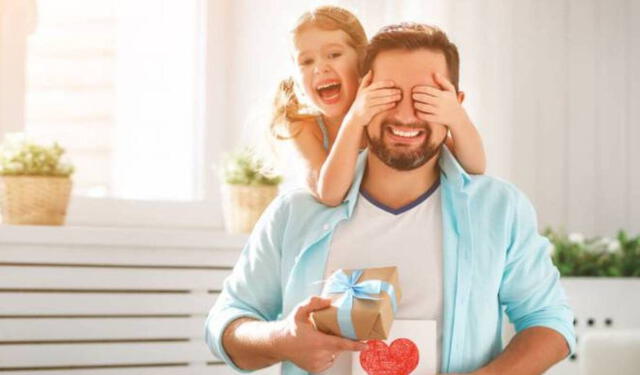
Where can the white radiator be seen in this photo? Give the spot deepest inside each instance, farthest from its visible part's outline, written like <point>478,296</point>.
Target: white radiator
<point>80,301</point>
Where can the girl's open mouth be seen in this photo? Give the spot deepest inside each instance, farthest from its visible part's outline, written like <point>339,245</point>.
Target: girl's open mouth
<point>329,92</point>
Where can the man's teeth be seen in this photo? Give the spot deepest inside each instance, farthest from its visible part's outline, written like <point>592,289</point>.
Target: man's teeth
<point>407,134</point>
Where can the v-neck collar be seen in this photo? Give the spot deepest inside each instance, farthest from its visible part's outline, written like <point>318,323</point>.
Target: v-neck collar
<point>397,211</point>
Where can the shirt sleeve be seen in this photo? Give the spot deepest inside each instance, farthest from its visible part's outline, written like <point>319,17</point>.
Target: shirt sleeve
<point>253,289</point>
<point>530,287</point>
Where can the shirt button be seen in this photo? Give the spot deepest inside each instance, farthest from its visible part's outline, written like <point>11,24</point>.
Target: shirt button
<point>325,227</point>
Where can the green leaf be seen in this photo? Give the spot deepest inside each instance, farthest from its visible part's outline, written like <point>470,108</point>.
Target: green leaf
<point>244,168</point>
<point>20,156</point>
<point>596,256</point>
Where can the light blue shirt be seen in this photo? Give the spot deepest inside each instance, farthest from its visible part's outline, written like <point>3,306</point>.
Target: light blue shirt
<point>494,259</point>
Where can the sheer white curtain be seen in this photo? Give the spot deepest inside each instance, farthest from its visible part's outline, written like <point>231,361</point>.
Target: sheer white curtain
<point>158,75</point>
<point>17,21</point>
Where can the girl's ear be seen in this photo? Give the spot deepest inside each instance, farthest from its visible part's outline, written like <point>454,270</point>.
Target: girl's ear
<point>460,96</point>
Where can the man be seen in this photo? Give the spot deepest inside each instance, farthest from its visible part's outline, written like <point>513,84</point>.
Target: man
<point>465,246</point>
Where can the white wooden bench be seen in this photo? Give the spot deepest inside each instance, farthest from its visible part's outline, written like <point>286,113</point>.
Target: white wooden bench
<point>81,301</point>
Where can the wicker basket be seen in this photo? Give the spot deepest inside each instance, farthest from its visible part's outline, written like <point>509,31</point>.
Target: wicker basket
<point>34,200</point>
<point>242,205</point>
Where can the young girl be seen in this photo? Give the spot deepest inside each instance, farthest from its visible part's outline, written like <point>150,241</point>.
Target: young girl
<point>329,47</point>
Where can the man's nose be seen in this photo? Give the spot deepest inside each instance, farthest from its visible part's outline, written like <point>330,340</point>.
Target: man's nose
<point>404,111</point>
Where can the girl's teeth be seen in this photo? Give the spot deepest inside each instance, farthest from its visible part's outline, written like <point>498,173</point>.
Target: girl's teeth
<point>326,86</point>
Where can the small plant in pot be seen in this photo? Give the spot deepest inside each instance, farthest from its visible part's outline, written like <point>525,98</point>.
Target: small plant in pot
<point>35,182</point>
<point>247,190</point>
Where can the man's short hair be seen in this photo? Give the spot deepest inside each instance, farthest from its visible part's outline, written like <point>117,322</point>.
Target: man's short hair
<point>414,36</point>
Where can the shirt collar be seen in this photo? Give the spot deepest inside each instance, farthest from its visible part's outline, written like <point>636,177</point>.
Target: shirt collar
<point>352,195</point>
<point>451,172</point>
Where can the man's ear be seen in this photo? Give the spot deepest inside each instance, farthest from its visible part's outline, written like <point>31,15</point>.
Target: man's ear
<point>460,96</point>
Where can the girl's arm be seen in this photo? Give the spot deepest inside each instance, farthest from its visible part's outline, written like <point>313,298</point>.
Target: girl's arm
<point>329,175</point>
<point>310,152</point>
<point>338,170</point>
<point>443,105</point>
<point>466,144</point>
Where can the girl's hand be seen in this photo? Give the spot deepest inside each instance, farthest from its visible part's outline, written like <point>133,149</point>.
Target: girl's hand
<point>372,99</point>
<point>438,105</point>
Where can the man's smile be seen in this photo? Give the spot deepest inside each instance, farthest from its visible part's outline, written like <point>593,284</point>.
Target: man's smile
<point>405,134</point>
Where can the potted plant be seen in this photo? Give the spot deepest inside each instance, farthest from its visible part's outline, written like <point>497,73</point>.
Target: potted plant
<point>248,188</point>
<point>35,182</point>
<point>577,256</point>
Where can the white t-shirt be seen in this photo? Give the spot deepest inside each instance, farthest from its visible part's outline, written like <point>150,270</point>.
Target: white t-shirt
<point>409,238</point>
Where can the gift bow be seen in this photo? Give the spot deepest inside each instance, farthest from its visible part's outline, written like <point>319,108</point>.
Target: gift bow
<point>349,287</point>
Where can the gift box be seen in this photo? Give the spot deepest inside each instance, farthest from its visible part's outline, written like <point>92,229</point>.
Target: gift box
<point>364,303</point>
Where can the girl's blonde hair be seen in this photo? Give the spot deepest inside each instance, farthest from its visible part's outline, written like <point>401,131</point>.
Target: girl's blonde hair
<point>287,108</point>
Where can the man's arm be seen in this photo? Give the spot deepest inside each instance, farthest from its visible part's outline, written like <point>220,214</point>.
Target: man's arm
<point>534,299</point>
<point>531,352</point>
<point>253,290</point>
<point>250,343</point>
<point>253,345</point>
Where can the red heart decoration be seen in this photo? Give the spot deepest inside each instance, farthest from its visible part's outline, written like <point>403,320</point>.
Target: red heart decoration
<point>400,358</point>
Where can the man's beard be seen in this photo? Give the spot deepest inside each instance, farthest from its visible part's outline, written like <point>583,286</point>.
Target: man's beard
<point>408,160</point>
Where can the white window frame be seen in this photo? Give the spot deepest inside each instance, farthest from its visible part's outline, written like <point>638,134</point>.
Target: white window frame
<point>214,140</point>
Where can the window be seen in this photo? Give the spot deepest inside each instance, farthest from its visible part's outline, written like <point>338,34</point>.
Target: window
<point>118,84</point>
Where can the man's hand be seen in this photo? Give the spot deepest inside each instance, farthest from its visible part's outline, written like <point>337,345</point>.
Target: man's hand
<point>439,105</point>
<point>299,342</point>
<point>372,99</point>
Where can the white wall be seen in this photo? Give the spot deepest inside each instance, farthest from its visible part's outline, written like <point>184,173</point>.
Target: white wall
<point>552,88</point>
<point>550,84</point>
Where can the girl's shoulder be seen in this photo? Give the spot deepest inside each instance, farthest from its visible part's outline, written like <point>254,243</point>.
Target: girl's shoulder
<point>307,127</point>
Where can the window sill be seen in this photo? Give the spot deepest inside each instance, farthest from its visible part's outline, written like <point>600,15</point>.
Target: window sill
<point>109,212</point>
<point>113,236</point>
